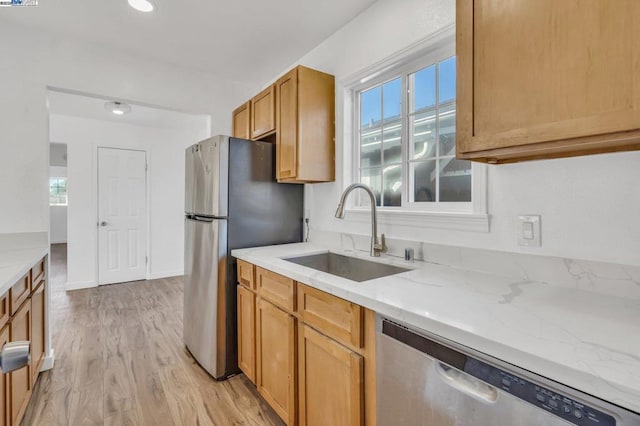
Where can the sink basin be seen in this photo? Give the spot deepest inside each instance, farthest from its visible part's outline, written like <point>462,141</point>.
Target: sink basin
<point>347,267</point>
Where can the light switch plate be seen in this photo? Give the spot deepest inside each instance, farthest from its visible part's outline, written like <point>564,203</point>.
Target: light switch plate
<point>529,231</point>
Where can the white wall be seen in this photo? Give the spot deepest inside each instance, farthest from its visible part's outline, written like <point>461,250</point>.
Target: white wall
<point>58,214</point>
<point>32,60</point>
<point>165,156</point>
<point>589,205</point>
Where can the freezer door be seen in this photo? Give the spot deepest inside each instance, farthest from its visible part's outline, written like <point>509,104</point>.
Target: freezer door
<point>211,177</point>
<point>205,292</point>
<point>189,168</point>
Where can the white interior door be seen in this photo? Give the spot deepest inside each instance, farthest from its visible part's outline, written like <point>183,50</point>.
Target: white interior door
<point>122,216</point>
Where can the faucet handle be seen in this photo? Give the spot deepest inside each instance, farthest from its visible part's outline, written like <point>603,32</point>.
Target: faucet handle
<point>382,247</point>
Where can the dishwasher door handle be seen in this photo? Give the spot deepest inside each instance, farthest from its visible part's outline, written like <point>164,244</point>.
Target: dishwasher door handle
<point>467,384</point>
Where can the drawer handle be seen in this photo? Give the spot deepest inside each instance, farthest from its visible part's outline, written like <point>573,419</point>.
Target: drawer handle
<point>14,356</point>
<point>468,384</point>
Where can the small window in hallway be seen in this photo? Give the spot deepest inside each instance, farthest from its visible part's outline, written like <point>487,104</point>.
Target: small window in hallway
<point>58,191</point>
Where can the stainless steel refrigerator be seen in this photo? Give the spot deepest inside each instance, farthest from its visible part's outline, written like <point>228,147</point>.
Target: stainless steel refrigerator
<point>232,201</point>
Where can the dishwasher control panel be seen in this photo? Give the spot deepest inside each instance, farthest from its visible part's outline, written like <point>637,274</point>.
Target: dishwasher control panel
<point>556,403</point>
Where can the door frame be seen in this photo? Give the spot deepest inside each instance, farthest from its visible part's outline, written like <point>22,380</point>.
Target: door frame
<point>96,206</point>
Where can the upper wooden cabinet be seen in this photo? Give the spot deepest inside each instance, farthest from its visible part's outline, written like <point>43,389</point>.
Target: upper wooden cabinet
<point>547,78</point>
<point>305,122</point>
<point>242,121</point>
<point>263,122</point>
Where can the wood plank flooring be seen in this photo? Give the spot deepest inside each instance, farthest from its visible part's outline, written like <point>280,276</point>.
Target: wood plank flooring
<point>120,360</point>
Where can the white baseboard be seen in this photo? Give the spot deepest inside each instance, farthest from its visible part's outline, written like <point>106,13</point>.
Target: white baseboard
<point>47,364</point>
<point>79,285</point>
<point>165,274</point>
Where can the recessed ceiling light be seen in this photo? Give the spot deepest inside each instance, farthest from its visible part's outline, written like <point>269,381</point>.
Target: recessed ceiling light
<point>142,5</point>
<point>117,108</point>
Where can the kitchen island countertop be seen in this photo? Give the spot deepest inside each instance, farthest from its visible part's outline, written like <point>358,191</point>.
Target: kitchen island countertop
<point>18,254</point>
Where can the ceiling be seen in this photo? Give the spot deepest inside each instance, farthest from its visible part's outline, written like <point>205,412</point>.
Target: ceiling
<point>93,107</point>
<point>240,40</point>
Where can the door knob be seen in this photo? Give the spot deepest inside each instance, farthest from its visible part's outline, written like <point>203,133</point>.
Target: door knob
<point>14,356</point>
<point>103,223</point>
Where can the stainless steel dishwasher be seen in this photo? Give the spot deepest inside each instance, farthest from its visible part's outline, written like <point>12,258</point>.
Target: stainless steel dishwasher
<point>425,380</point>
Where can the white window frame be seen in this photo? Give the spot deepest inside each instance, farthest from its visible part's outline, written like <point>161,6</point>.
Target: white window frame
<point>469,216</point>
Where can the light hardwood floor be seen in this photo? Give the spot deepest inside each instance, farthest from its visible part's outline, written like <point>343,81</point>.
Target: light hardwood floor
<point>120,360</point>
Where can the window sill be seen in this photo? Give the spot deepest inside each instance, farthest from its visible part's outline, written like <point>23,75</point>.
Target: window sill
<point>472,222</point>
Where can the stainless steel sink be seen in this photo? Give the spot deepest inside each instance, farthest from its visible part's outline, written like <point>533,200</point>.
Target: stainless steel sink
<point>350,268</point>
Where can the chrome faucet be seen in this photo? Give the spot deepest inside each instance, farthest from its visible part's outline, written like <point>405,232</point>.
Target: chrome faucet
<point>376,248</point>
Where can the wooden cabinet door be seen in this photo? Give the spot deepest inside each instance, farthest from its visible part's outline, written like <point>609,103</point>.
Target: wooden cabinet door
<point>4,383</point>
<point>263,120</point>
<point>331,382</point>
<point>37,330</point>
<point>247,332</point>
<point>276,359</point>
<point>287,124</point>
<point>529,85</point>
<point>20,379</point>
<point>242,121</point>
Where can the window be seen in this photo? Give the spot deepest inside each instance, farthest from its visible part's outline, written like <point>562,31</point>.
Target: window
<point>405,138</point>
<point>58,191</point>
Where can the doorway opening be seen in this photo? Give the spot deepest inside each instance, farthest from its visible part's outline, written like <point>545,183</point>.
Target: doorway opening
<point>125,178</point>
<point>58,205</point>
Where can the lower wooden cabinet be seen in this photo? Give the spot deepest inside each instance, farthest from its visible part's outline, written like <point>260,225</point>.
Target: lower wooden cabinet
<point>37,330</point>
<point>330,381</point>
<point>20,380</point>
<point>312,361</point>
<point>4,383</point>
<point>247,332</point>
<point>276,359</point>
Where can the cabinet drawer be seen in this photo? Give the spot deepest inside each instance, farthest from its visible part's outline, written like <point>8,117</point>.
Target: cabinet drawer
<point>277,289</point>
<point>19,293</point>
<point>246,274</point>
<point>37,273</point>
<point>5,314</point>
<point>337,318</point>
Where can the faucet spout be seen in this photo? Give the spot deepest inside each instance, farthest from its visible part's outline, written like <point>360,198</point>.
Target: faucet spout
<point>376,247</point>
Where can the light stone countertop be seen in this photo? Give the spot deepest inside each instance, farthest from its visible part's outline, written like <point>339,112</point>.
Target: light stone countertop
<point>18,254</point>
<point>585,340</point>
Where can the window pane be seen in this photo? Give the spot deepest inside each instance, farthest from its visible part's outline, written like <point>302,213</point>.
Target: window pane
<point>392,185</point>
<point>455,180</point>
<point>372,178</point>
<point>424,180</point>
<point>370,108</point>
<point>447,80</point>
<point>424,88</point>
<point>392,137</point>
<point>392,95</point>
<point>447,130</point>
<point>370,148</point>
<point>424,135</point>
